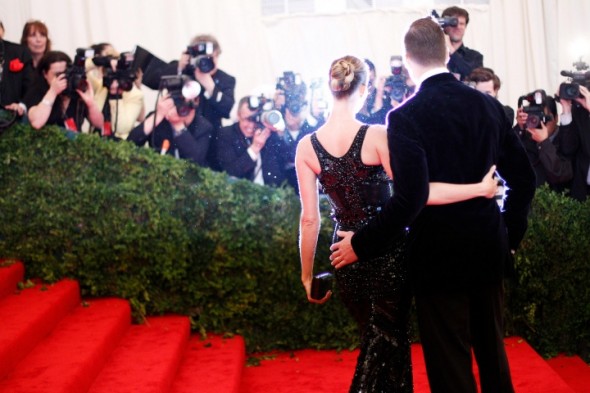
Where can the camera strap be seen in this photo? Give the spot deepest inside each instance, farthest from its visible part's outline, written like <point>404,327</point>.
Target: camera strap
<point>106,112</point>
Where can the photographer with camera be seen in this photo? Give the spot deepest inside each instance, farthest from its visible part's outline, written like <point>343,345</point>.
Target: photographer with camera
<point>376,106</point>
<point>463,60</point>
<point>251,148</point>
<point>61,95</point>
<point>291,100</point>
<point>536,126</point>
<point>116,90</point>
<point>574,98</point>
<point>200,62</point>
<point>176,128</point>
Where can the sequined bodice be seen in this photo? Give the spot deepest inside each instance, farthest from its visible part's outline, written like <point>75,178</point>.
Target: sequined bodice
<point>356,191</point>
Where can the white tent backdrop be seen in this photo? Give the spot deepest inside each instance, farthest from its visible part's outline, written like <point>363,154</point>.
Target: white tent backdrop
<point>526,42</point>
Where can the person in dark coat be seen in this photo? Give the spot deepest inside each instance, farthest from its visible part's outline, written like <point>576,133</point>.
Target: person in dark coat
<point>458,254</point>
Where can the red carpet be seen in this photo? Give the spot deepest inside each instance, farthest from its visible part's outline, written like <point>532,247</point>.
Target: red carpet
<point>329,372</point>
<point>53,342</point>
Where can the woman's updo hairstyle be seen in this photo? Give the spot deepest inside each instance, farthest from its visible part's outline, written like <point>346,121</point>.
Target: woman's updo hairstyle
<point>346,75</point>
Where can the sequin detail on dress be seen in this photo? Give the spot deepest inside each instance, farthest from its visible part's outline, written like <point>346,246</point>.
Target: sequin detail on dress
<point>375,291</point>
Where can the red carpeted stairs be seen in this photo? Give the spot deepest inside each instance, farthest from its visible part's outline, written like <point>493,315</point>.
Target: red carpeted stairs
<point>52,341</point>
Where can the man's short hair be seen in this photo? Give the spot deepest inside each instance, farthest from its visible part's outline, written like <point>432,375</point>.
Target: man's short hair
<point>425,43</point>
<point>456,12</point>
<point>207,38</point>
<point>484,74</point>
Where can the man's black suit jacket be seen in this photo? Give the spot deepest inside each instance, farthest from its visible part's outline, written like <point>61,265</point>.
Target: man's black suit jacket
<point>234,159</point>
<point>449,132</point>
<point>15,82</point>
<point>576,145</point>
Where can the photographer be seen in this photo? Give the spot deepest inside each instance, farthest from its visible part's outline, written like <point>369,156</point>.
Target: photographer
<point>377,104</point>
<point>290,100</point>
<point>218,86</point>
<point>200,61</point>
<point>485,80</point>
<point>61,95</point>
<point>541,137</point>
<point>116,90</point>
<point>176,128</point>
<point>575,127</point>
<point>463,60</point>
<point>251,149</point>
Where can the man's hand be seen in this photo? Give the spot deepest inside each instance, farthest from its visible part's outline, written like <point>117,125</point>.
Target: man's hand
<point>16,108</point>
<point>259,139</point>
<point>342,252</point>
<point>539,134</point>
<point>521,117</point>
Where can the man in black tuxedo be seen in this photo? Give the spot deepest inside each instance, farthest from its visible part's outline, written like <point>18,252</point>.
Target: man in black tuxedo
<point>463,60</point>
<point>458,254</point>
<point>250,150</point>
<point>575,141</point>
<point>16,75</point>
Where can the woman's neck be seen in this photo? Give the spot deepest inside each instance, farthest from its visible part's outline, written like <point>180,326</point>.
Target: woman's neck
<point>36,57</point>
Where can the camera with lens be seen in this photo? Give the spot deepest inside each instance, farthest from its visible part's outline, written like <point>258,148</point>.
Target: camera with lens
<point>124,73</point>
<point>571,90</point>
<point>201,55</point>
<point>294,90</point>
<point>265,115</point>
<point>183,90</point>
<point>76,73</point>
<point>395,84</point>
<point>535,109</point>
<point>445,21</point>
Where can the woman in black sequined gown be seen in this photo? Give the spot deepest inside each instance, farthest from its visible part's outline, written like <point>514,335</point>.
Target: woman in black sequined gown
<point>351,163</point>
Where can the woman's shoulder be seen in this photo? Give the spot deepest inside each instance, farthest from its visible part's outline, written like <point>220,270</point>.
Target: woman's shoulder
<point>376,132</point>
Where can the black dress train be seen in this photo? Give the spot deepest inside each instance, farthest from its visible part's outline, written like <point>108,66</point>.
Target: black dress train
<point>376,291</point>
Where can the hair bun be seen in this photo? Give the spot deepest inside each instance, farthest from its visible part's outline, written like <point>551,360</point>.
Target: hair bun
<point>342,75</point>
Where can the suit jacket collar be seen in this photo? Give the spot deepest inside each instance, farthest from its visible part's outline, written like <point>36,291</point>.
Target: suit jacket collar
<point>436,79</point>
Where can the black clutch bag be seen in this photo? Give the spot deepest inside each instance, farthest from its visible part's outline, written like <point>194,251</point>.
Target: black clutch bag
<point>321,284</point>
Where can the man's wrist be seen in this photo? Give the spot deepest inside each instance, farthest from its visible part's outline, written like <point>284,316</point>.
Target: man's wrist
<point>179,132</point>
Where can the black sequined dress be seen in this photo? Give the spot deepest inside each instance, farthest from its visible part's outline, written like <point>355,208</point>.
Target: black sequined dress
<point>375,291</point>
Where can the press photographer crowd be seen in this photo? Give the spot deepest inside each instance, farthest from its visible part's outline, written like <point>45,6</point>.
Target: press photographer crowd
<point>101,91</point>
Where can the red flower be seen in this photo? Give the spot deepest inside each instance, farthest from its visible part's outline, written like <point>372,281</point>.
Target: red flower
<point>16,65</point>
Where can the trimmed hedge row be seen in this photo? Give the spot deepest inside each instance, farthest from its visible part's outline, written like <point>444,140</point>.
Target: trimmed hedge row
<point>165,234</point>
<point>173,237</point>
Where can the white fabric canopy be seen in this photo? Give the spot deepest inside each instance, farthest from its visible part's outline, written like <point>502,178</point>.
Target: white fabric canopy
<point>526,42</point>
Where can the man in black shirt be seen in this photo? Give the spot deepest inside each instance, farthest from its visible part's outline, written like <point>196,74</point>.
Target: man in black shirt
<point>463,60</point>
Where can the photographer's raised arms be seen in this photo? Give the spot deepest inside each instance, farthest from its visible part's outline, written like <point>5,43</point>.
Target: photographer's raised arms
<point>61,95</point>
<point>101,92</point>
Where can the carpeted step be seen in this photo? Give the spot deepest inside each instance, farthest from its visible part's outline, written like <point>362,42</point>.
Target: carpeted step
<point>213,365</point>
<point>29,315</point>
<point>147,358</point>
<point>11,273</point>
<point>71,357</point>
<point>331,371</point>
<point>530,372</point>
<point>573,370</point>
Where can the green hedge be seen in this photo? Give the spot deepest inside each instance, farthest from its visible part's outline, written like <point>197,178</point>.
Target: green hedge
<point>549,302</point>
<point>163,233</point>
<point>175,238</point>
